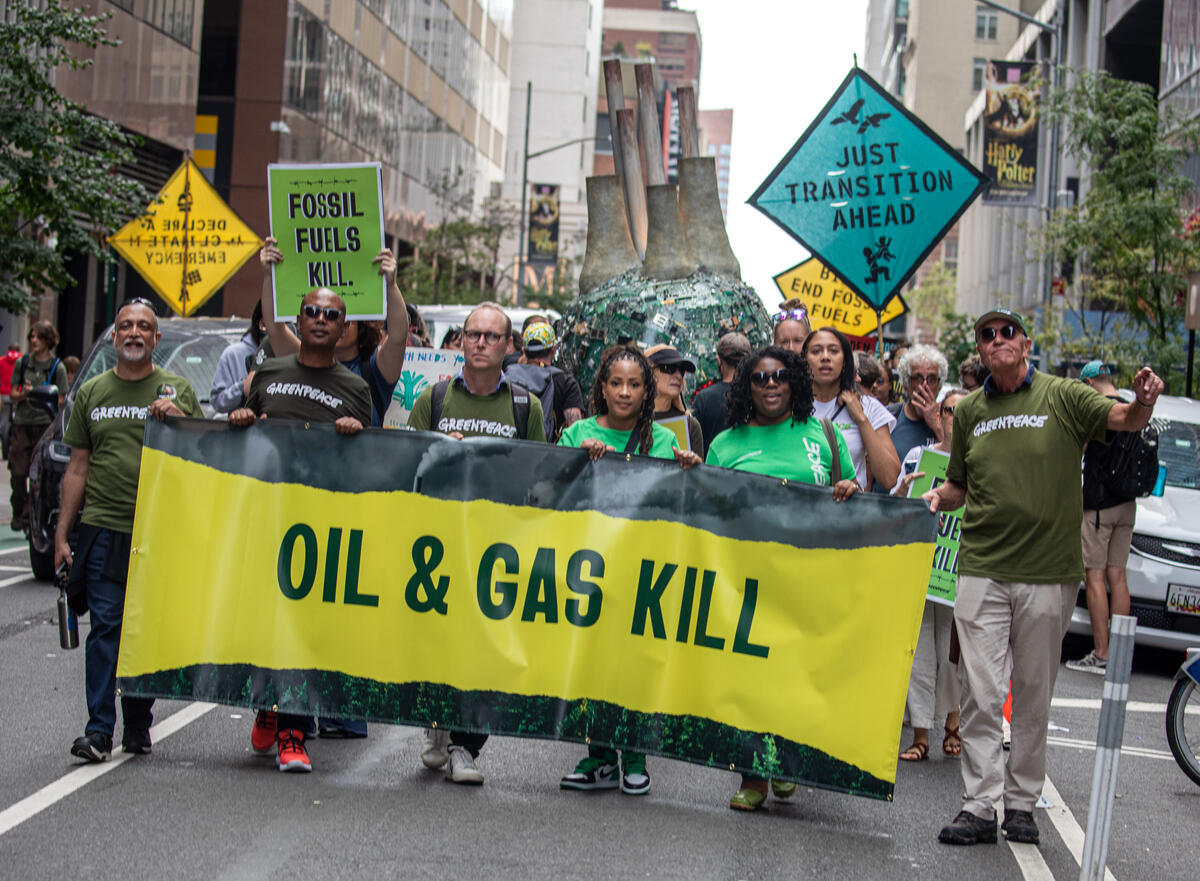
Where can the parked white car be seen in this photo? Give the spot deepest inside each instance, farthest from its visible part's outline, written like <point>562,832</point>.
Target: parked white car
<point>1164,560</point>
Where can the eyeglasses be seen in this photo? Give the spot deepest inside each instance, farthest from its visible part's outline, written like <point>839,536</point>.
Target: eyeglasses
<point>931,379</point>
<point>1008,331</point>
<point>331,313</point>
<point>947,411</point>
<point>762,378</point>
<point>670,369</point>
<point>490,337</point>
<point>793,314</point>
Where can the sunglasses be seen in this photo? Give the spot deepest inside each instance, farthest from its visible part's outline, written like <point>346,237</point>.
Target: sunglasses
<point>762,378</point>
<point>330,312</point>
<point>1008,331</point>
<point>793,314</point>
<point>670,369</point>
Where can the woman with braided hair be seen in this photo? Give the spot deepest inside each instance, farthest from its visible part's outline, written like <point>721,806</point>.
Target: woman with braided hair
<point>623,401</point>
<point>773,432</point>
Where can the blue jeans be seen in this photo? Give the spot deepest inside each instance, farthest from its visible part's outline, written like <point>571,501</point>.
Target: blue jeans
<point>106,601</point>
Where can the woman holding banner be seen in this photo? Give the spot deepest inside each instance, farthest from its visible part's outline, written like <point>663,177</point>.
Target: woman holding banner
<point>934,682</point>
<point>772,432</point>
<point>865,423</point>
<point>623,396</point>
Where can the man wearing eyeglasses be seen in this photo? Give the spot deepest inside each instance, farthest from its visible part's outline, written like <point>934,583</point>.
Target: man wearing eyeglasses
<point>479,402</point>
<point>108,422</point>
<point>1015,460</point>
<point>309,386</point>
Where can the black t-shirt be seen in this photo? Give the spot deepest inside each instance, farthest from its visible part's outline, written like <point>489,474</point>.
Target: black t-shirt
<point>708,407</point>
<point>283,388</point>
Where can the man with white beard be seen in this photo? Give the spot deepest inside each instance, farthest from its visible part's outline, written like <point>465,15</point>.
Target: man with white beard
<point>105,434</point>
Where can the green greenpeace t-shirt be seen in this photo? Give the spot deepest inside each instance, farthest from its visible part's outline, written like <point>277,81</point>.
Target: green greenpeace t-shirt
<point>477,415</point>
<point>575,434</point>
<point>283,388</point>
<point>109,420</point>
<point>789,449</point>
<point>1019,457</point>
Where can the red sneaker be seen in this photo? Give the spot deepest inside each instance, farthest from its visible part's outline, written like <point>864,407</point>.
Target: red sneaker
<point>292,755</point>
<point>262,735</point>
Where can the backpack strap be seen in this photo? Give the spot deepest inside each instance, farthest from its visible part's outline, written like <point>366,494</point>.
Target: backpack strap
<point>831,438</point>
<point>436,397</point>
<point>521,408</point>
<point>50,375</point>
<point>20,365</point>
<point>631,445</point>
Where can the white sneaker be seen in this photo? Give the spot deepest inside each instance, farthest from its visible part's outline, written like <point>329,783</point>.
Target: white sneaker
<point>434,747</point>
<point>462,767</point>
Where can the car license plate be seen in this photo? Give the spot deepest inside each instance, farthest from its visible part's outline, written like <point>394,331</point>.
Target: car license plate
<point>1183,600</point>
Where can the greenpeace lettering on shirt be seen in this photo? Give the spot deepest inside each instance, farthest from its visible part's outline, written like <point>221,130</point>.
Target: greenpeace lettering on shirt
<point>98,414</point>
<point>820,470</point>
<point>488,427</point>
<point>304,390</point>
<point>1005,423</point>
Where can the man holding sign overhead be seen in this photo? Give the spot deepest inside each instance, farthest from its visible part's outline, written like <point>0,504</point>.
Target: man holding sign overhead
<point>326,221</point>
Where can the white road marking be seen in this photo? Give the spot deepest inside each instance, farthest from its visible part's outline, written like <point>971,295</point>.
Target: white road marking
<point>1029,859</point>
<point>13,550</point>
<point>17,579</point>
<point>32,805</point>
<point>1126,750</point>
<point>1068,828</point>
<point>14,569</point>
<point>1076,703</point>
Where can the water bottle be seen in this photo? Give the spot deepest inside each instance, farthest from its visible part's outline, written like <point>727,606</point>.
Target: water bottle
<point>68,624</point>
<point>1161,483</point>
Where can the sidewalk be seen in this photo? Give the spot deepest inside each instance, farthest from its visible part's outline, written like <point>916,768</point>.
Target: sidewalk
<point>8,538</point>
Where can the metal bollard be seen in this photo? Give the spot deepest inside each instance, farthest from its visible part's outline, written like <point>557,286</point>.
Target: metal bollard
<point>1108,748</point>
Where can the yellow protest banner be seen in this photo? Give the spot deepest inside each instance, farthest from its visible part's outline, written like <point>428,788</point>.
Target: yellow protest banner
<point>427,580</point>
<point>830,301</point>
<point>188,243</point>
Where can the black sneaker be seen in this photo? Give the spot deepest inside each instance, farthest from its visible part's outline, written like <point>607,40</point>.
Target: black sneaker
<point>136,742</point>
<point>92,747</point>
<point>966,828</point>
<point>1020,827</point>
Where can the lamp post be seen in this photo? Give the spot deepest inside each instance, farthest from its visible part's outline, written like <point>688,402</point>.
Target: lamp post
<point>523,233</point>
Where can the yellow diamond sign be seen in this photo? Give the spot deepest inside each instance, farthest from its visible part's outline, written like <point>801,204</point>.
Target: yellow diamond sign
<point>830,301</point>
<point>188,243</point>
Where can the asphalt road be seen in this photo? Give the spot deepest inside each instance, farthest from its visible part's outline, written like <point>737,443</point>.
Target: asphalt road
<point>204,807</point>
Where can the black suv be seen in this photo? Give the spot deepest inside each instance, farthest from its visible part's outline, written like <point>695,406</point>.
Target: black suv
<point>190,347</point>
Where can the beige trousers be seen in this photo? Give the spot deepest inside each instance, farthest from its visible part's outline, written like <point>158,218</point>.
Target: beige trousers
<point>996,619</point>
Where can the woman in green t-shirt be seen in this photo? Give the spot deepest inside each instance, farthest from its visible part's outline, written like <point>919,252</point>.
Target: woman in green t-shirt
<point>623,401</point>
<point>772,431</point>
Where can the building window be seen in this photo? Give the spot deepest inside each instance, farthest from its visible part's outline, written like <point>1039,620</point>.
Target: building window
<point>978,73</point>
<point>986,22</point>
<point>950,254</point>
<point>172,17</point>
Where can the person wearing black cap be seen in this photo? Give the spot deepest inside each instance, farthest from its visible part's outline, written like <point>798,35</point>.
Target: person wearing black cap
<point>670,368</point>
<point>708,406</point>
<point>1015,462</point>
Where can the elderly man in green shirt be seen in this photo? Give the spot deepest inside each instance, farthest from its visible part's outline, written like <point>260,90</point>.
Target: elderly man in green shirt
<point>1015,461</point>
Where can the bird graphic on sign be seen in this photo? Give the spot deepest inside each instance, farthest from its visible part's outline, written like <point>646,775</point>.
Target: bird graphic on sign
<point>851,116</point>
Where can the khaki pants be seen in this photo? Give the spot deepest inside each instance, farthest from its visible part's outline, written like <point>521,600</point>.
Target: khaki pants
<point>996,620</point>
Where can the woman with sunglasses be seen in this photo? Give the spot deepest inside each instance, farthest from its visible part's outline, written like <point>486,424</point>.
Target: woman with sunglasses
<point>792,326</point>
<point>670,368</point>
<point>623,401</point>
<point>865,423</point>
<point>934,682</point>
<point>772,432</point>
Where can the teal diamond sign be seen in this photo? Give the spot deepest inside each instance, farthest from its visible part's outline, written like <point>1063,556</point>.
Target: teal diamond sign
<point>869,189</point>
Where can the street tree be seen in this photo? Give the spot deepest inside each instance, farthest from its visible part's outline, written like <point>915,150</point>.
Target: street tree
<point>59,189</point>
<point>1127,234</point>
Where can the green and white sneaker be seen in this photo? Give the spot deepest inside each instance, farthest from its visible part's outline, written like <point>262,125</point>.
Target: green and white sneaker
<point>592,773</point>
<point>635,780</point>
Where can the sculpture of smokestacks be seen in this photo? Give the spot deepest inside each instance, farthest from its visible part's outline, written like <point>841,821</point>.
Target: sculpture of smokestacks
<point>658,266</point>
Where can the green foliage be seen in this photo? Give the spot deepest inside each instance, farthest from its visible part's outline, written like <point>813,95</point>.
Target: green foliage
<point>933,299</point>
<point>956,338</point>
<point>1127,233</point>
<point>58,192</point>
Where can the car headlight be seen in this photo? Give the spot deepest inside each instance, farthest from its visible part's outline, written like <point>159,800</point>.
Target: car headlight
<point>58,452</point>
